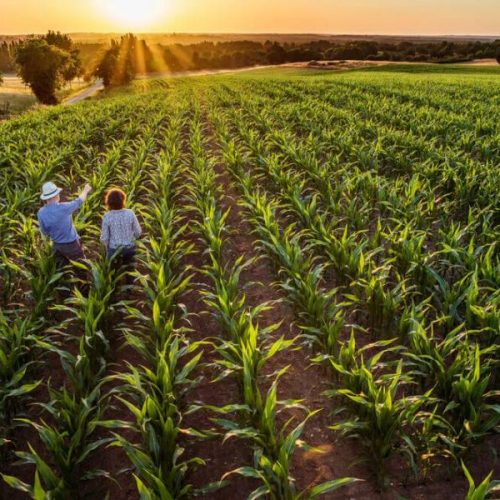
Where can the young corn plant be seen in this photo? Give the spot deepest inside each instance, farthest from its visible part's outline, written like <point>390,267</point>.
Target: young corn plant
<point>408,248</point>
<point>378,303</point>
<point>75,409</point>
<point>381,419</point>
<point>472,408</point>
<point>95,311</point>
<point>482,491</point>
<point>274,452</point>
<point>153,397</point>
<point>44,278</point>
<point>154,393</point>
<point>69,442</point>
<point>460,373</point>
<point>11,277</point>
<point>349,364</point>
<point>163,285</point>
<point>17,342</point>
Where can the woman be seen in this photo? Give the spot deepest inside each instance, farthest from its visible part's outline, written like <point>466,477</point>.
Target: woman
<point>120,229</point>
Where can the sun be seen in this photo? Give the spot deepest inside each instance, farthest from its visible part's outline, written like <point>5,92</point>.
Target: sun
<point>133,14</point>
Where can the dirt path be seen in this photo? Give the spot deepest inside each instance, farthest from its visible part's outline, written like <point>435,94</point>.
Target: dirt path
<point>88,92</point>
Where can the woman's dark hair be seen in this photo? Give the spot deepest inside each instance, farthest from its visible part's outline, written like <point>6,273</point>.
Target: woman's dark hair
<point>115,199</point>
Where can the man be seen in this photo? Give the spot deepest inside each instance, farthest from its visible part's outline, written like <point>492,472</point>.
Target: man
<point>56,222</point>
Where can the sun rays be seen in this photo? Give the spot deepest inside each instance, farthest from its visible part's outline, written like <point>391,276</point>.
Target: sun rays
<point>134,14</point>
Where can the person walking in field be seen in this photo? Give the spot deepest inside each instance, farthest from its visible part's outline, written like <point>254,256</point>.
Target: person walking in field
<point>120,230</point>
<point>56,223</point>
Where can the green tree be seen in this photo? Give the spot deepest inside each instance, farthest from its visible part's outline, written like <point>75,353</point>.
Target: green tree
<point>107,65</point>
<point>122,61</point>
<point>59,39</point>
<point>46,64</point>
<point>64,42</point>
<point>40,67</point>
<point>127,60</point>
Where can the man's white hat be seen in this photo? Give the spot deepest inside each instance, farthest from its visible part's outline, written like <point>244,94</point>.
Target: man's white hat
<point>49,190</point>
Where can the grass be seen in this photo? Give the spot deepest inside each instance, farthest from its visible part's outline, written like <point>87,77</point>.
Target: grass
<point>427,69</point>
<point>19,98</point>
<point>15,95</point>
<point>444,69</point>
<point>16,103</point>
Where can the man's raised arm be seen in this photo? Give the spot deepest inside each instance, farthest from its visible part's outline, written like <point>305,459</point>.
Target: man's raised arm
<point>85,192</point>
<point>76,204</point>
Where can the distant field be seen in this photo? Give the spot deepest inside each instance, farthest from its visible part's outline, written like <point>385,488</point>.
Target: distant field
<point>14,93</point>
<point>444,69</point>
<point>360,68</point>
<point>19,97</point>
<point>316,295</point>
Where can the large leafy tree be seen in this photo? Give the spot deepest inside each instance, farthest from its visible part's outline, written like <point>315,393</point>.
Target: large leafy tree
<point>46,64</point>
<point>123,60</point>
<point>64,42</point>
<point>118,65</point>
<point>107,66</point>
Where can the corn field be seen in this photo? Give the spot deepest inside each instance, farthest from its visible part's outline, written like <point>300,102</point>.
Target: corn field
<point>315,309</point>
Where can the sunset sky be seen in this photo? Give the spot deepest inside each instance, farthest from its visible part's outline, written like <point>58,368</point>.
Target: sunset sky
<point>478,17</point>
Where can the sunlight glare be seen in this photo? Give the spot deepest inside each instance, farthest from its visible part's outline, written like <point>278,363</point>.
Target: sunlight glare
<point>135,14</point>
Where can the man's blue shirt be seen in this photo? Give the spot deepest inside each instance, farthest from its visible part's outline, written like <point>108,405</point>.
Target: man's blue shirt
<point>56,221</point>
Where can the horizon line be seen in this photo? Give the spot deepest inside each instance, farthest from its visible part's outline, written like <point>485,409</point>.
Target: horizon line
<point>257,33</point>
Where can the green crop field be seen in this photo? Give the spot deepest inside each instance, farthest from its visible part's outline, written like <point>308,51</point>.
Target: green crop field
<point>316,306</point>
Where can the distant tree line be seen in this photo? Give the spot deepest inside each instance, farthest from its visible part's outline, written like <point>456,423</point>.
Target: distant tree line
<point>7,56</point>
<point>210,55</point>
<point>238,54</point>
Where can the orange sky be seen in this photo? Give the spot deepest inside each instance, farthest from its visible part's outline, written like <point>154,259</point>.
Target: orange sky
<point>253,16</point>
